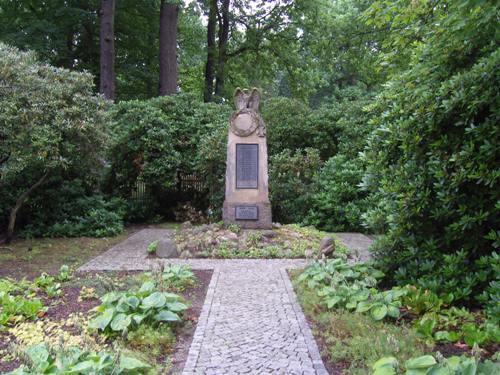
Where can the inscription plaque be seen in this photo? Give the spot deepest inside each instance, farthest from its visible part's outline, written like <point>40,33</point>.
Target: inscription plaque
<point>247,213</point>
<point>247,166</point>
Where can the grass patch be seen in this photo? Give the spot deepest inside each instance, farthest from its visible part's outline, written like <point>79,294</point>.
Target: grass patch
<point>353,342</point>
<point>167,225</point>
<point>29,257</point>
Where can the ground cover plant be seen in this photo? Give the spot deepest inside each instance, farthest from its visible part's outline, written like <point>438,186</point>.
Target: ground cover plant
<point>403,320</point>
<point>102,323</point>
<point>218,241</point>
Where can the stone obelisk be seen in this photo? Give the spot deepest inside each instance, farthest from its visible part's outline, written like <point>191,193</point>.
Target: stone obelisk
<point>247,193</point>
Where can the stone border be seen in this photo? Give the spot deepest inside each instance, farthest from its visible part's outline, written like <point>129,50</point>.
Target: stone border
<point>312,347</point>
<point>199,334</point>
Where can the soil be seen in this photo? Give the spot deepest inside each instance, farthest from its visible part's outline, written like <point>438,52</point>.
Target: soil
<point>197,298</point>
<point>68,303</point>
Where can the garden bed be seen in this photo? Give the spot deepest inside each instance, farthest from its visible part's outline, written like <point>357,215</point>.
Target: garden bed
<point>65,319</point>
<point>218,241</point>
<point>354,332</point>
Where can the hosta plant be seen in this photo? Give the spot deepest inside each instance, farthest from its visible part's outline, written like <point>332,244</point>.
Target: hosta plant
<point>427,364</point>
<point>17,308</point>
<point>75,361</point>
<point>125,311</point>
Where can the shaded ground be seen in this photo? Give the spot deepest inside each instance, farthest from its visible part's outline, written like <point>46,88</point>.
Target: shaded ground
<point>29,258</point>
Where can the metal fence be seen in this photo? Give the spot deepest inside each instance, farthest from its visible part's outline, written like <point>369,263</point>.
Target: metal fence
<point>185,183</point>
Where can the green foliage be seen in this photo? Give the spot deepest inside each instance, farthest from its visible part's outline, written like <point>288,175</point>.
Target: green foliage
<point>93,216</point>
<point>74,360</point>
<point>338,203</point>
<point>432,160</point>
<point>151,249</point>
<point>152,340</point>
<point>15,308</point>
<point>128,310</point>
<point>64,273</point>
<point>51,124</point>
<point>290,183</point>
<point>178,276</point>
<point>352,287</point>
<point>47,284</point>
<point>356,340</point>
<point>174,277</point>
<point>155,139</point>
<point>427,364</point>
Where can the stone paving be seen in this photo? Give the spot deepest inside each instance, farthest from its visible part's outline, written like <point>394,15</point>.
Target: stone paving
<point>251,322</point>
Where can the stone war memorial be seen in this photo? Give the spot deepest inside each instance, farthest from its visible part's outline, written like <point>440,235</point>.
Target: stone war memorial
<point>247,193</point>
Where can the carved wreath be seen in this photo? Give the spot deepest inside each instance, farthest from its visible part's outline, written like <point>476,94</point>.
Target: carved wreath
<point>247,103</point>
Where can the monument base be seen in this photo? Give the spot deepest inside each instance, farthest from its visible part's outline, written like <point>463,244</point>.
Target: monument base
<point>248,215</point>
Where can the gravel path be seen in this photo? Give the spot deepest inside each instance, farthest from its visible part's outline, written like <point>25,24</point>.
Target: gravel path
<point>251,322</point>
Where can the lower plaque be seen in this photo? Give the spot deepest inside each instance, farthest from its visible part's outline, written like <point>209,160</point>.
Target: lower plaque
<point>247,213</point>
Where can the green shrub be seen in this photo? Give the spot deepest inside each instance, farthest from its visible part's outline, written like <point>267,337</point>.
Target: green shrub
<point>290,183</point>
<point>94,216</point>
<point>51,126</point>
<point>156,138</point>
<point>338,202</point>
<point>433,161</point>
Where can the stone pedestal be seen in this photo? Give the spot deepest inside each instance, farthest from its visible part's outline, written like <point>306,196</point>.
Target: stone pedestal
<point>247,193</point>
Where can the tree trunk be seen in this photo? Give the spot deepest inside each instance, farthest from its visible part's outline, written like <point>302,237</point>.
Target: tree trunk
<point>107,41</point>
<point>223,38</point>
<point>210,65</point>
<point>17,206</point>
<point>168,47</point>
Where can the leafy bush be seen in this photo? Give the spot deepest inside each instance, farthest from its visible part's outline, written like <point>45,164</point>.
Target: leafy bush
<point>73,360</point>
<point>433,160</point>
<point>156,138</point>
<point>290,183</point>
<point>51,126</point>
<point>93,216</point>
<point>338,202</point>
<point>126,311</point>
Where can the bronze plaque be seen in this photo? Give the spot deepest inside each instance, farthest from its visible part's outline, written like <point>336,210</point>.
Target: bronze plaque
<point>247,213</point>
<point>247,166</point>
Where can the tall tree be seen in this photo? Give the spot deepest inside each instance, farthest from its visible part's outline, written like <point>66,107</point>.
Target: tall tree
<point>107,77</point>
<point>223,16</point>
<point>211,51</point>
<point>168,48</point>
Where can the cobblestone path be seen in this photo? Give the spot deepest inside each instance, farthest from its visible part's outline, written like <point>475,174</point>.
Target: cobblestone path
<point>250,323</point>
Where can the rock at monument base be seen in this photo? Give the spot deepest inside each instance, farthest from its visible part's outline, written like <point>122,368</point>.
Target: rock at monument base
<point>167,248</point>
<point>269,233</point>
<point>327,246</point>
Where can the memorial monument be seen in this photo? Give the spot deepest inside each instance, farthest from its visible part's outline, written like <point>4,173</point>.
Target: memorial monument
<point>247,194</point>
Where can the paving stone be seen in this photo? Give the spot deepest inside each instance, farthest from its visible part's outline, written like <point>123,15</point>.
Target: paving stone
<point>250,323</point>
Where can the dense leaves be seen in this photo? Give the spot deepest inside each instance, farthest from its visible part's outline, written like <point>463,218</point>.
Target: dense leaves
<point>433,160</point>
<point>51,131</point>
